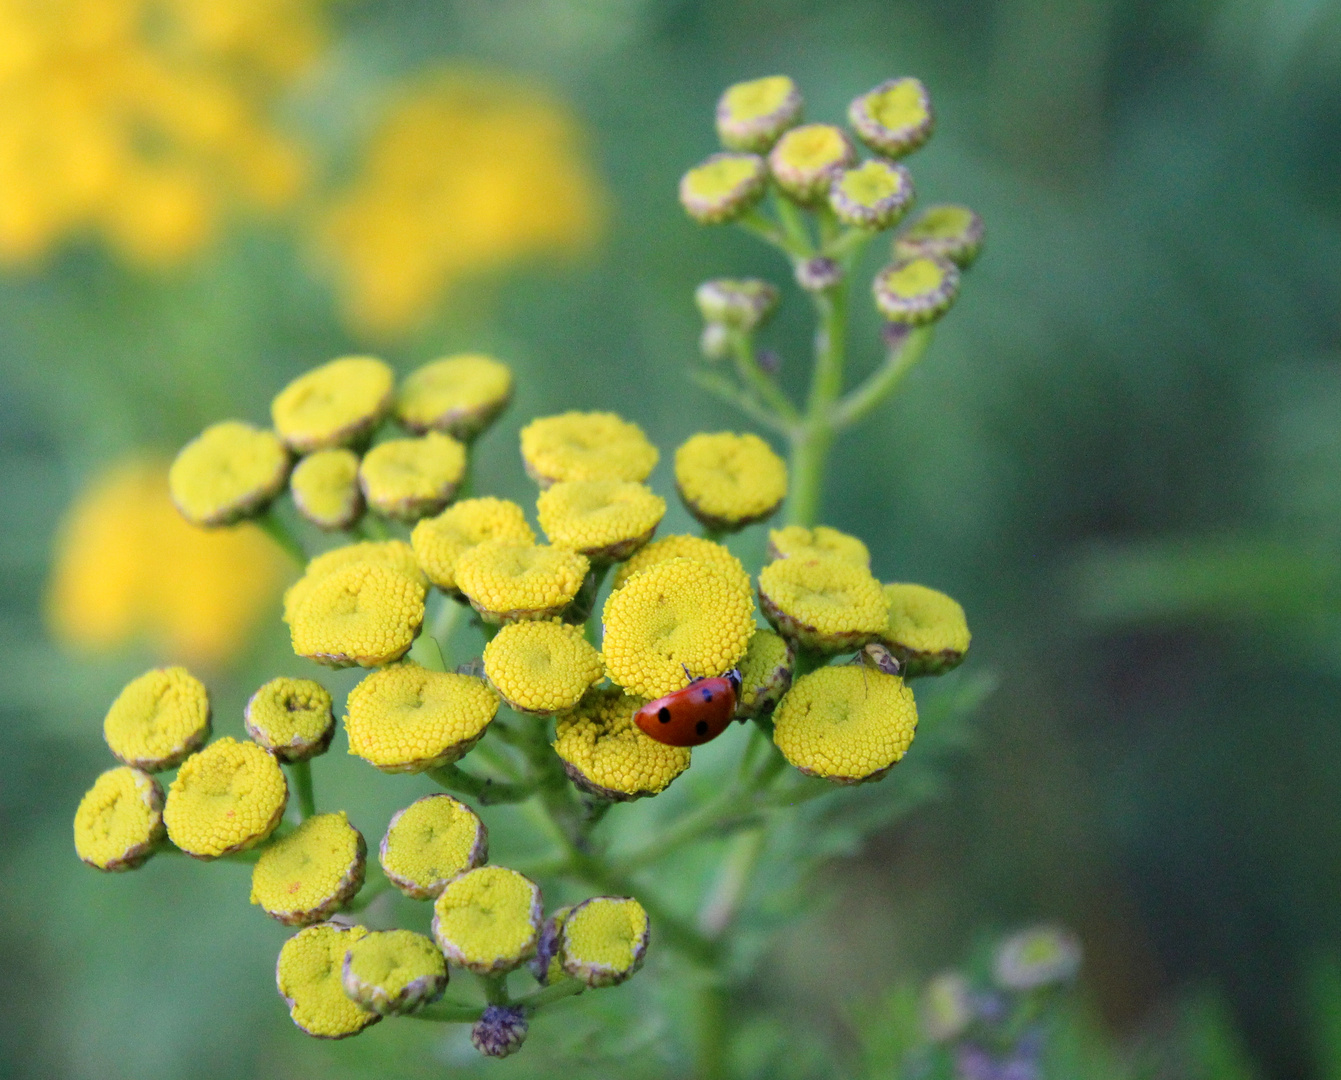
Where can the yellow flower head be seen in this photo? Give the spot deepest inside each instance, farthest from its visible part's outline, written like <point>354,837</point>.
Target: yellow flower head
<point>604,940</point>
<point>325,488</point>
<point>440,541</point>
<point>227,798</point>
<point>606,520</point>
<point>541,667</point>
<point>394,554</point>
<point>308,875</point>
<point>408,479</point>
<point>847,724</point>
<point>460,395</point>
<point>364,613</point>
<point>675,615</point>
<point>723,187</point>
<point>336,404</point>
<point>946,231</point>
<point>158,719</point>
<point>605,753</point>
<point>119,822</point>
<point>707,552</point>
<point>874,195</point>
<point>751,115</point>
<point>127,563</point>
<point>824,604</point>
<point>765,674</point>
<point>819,542</point>
<point>927,630</point>
<point>309,978</point>
<point>915,291</point>
<point>488,920</point>
<point>586,446</point>
<point>430,842</point>
<point>291,718</point>
<point>469,172</point>
<point>807,159</point>
<point>729,481</point>
<point>507,581</point>
<point>895,118</point>
<point>229,471</point>
<point>406,718</point>
<point>394,971</point>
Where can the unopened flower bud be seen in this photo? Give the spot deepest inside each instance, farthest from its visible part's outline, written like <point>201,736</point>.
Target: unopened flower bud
<point>393,971</point>
<point>547,963</point>
<point>818,274</point>
<point>500,1031</point>
<point>806,160</point>
<point>715,341</point>
<point>916,291</point>
<point>895,118</point>
<point>308,875</point>
<point>723,187</point>
<point>1039,957</point>
<point>947,231</point>
<point>604,940</point>
<point>119,822</point>
<point>947,1007</point>
<point>751,115</point>
<point>737,303</point>
<point>874,195</point>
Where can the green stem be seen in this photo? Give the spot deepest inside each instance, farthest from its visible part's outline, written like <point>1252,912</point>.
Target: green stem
<point>799,244</point>
<point>579,611</point>
<point>488,792</point>
<point>426,652</point>
<point>445,621</point>
<point>367,895</point>
<point>374,528</point>
<point>538,999</point>
<point>756,222</point>
<point>300,772</point>
<point>495,989</point>
<point>754,377</point>
<point>813,438</point>
<point>282,535</point>
<point>884,380</point>
<point>719,908</point>
<point>711,1031</point>
<point>447,1012</point>
<point>722,387</point>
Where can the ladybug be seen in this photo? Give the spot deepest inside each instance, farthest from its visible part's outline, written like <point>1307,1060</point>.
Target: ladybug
<point>692,716</point>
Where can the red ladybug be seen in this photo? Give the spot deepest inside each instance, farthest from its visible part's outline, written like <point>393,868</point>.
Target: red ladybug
<point>692,716</point>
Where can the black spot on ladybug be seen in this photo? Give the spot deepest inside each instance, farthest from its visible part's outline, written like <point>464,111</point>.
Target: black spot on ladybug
<point>707,695</point>
<point>701,727</point>
<point>663,714</point>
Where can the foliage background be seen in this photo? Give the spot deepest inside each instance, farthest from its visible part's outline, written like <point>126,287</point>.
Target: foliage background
<point>1120,456</point>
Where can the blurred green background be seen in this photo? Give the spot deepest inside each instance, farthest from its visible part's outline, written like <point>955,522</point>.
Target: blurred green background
<point>1120,456</point>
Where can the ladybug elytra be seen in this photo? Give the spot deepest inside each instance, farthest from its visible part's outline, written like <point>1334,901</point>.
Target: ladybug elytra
<point>694,715</point>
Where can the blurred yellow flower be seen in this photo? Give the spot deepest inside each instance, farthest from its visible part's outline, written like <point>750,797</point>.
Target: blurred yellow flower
<point>142,120</point>
<point>467,173</point>
<point>128,565</point>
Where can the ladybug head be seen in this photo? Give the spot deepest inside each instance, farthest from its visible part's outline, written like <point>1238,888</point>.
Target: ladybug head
<point>733,677</point>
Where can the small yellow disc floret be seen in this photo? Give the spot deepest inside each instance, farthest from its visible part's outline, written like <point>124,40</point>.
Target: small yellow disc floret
<point>308,875</point>
<point>440,541</point>
<point>488,920</point>
<point>717,556</point>
<point>927,630</point>
<point>541,667</point>
<point>824,604</point>
<point>845,723</point>
<point>506,581</point>
<point>603,519</point>
<point>394,971</point>
<point>819,541</point>
<point>309,978</point>
<point>675,615</point>
<point>586,446</point>
<point>408,479</point>
<point>604,752</point>
<point>291,718</point>
<point>325,488</point>
<point>120,820</point>
<point>333,405</point>
<point>158,719</point>
<point>364,614</point>
<point>227,798</point>
<point>604,940</point>
<point>430,842</point>
<point>729,481</point>
<point>229,471</point>
<point>460,395</point>
<point>407,719</point>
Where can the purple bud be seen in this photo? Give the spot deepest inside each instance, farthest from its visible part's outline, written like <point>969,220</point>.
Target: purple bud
<point>770,363</point>
<point>500,1031</point>
<point>818,274</point>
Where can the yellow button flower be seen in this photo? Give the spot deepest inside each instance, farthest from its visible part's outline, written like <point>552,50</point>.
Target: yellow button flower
<point>605,753</point>
<point>816,543</point>
<point>847,723</point>
<point>407,719</point>
<point>325,488</point>
<point>680,546</point>
<point>506,582</point>
<point>430,842</point>
<point>604,940</point>
<point>364,613</point>
<point>751,115</point>
<point>723,187</point>
<point>916,291</point>
<point>394,972</point>
<point>395,554</point>
<point>541,668</point>
<point>807,159</point>
<point>947,231</point>
<point>488,920</point>
<point>895,118</point>
<point>119,822</point>
<point>408,479</point>
<point>765,674</point>
<point>586,446</point>
<point>440,541</point>
<point>158,719</point>
<point>308,875</point>
<point>460,395</point>
<point>309,978</point>
<point>227,798</point>
<point>824,604</point>
<point>606,520</point>
<point>874,195</point>
<point>229,471</point>
<point>927,630</point>
<point>291,718</point>
<point>729,481</point>
<point>675,615</point>
<point>336,404</point>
